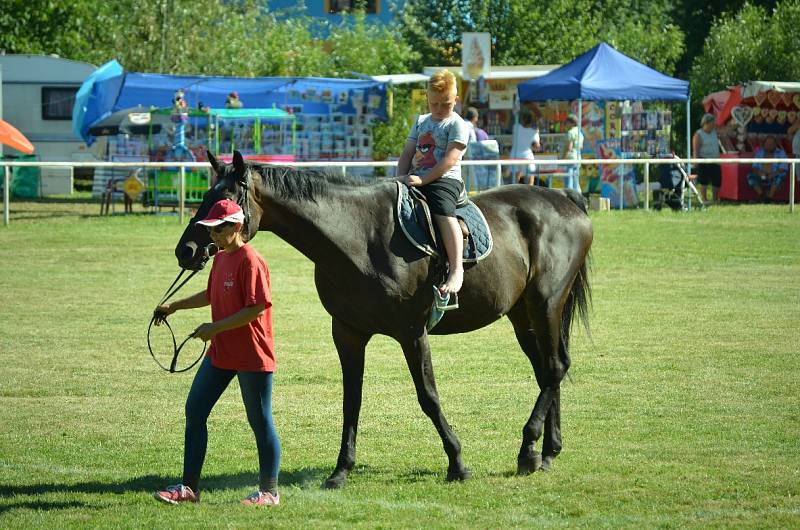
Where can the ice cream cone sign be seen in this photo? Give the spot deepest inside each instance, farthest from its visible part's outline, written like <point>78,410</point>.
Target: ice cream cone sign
<point>475,55</point>
<point>10,136</point>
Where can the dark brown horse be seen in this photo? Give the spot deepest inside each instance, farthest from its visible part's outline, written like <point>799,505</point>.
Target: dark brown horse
<point>373,281</point>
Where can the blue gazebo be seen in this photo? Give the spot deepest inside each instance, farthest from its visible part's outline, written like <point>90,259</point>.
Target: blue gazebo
<point>604,74</point>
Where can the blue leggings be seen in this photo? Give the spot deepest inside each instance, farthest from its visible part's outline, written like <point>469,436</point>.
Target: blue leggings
<point>208,385</point>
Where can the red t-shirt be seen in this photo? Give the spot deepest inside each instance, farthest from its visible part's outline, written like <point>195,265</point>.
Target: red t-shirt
<point>238,280</point>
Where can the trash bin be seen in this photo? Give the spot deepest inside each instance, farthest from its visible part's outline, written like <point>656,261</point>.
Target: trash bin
<point>24,180</point>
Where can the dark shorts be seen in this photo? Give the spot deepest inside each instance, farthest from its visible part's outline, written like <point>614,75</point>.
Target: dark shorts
<point>442,195</point>
<point>709,174</point>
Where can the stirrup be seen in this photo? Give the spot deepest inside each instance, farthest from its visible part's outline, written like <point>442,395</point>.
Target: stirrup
<point>439,307</point>
<point>441,301</point>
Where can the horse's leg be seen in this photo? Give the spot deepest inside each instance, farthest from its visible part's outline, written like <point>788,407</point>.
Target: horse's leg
<point>418,356</point>
<point>350,344</point>
<point>539,337</point>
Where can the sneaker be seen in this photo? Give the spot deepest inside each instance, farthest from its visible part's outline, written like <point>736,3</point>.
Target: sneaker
<point>262,498</point>
<point>177,494</point>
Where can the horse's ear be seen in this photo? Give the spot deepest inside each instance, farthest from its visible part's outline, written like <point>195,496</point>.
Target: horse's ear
<point>238,165</point>
<point>213,162</point>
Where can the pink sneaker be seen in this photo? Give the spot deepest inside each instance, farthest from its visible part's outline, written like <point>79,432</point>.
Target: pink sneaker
<point>177,494</point>
<point>262,498</point>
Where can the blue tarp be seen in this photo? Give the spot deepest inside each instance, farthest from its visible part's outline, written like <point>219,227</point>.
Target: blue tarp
<point>604,74</point>
<point>109,89</point>
<point>95,97</point>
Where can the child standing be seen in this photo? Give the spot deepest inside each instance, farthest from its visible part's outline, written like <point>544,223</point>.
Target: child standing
<point>242,345</point>
<point>430,161</point>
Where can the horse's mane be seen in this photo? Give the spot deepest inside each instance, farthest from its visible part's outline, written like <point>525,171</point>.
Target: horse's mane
<point>301,184</point>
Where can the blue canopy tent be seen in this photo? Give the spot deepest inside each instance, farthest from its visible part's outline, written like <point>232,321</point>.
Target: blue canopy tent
<point>604,74</point>
<point>110,89</point>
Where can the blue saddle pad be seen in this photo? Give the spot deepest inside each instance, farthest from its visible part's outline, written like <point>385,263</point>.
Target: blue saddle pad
<point>409,212</point>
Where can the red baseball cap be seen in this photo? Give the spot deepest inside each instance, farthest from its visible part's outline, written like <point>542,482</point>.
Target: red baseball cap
<point>223,211</point>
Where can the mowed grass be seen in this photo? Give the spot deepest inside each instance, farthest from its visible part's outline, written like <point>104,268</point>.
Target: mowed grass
<point>682,409</point>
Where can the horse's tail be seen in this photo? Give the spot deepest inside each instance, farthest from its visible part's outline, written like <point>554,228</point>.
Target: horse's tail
<point>578,302</point>
<point>580,296</point>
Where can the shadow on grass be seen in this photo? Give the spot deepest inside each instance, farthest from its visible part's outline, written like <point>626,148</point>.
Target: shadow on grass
<point>302,478</point>
<point>41,505</point>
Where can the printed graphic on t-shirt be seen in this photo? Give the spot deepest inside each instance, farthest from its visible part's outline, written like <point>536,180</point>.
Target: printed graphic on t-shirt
<point>424,158</point>
<point>228,283</point>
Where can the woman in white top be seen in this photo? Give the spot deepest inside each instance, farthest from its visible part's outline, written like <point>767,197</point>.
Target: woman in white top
<point>524,141</point>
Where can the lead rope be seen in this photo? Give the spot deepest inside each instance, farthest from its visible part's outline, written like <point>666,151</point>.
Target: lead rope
<point>208,251</point>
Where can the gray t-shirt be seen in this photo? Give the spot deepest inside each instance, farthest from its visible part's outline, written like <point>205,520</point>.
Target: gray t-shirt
<point>432,138</point>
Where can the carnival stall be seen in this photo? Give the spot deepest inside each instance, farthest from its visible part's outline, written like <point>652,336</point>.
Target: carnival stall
<point>745,116</point>
<point>617,103</point>
<point>299,118</point>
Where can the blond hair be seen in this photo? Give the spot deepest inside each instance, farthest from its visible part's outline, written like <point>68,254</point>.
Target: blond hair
<point>443,82</point>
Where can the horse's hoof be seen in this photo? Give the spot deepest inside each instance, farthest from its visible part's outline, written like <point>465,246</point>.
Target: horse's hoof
<point>334,482</point>
<point>530,464</point>
<point>460,475</point>
<point>547,463</point>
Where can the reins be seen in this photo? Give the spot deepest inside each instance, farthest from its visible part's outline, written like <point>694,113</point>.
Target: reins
<point>162,319</point>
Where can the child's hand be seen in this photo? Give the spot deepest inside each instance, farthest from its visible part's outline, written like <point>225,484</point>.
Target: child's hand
<point>411,180</point>
<point>205,332</point>
<point>161,313</point>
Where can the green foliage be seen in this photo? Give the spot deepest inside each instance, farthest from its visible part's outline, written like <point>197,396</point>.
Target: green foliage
<point>551,32</point>
<point>750,45</point>
<point>390,137</point>
<point>47,27</point>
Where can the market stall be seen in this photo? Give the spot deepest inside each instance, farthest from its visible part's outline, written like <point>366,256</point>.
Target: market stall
<point>746,115</point>
<point>608,91</point>
<point>323,119</point>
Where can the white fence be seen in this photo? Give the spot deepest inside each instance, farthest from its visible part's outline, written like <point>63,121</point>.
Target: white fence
<point>497,164</point>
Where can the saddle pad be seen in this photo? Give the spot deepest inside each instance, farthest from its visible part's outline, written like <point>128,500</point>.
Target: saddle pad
<point>409,211</point>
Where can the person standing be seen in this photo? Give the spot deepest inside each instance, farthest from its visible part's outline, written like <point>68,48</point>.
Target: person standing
<point>571,150</point>
<point>471,117</point>
<point>705,144</point>
<point>477,175</point>
<point>525,139</point>
<point>242,346</point>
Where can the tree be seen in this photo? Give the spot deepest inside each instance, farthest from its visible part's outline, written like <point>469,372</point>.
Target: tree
<point>749,45</point>
<point>46,27</point>
<point>696,18</point>
<point>550,32</point>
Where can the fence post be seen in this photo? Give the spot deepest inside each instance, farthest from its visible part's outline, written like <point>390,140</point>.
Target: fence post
<point>647,186</point>
<point>182,193</point>
<point>792,184</point>
<point>6,194</point>
<point>499,178</point>
<point>344,171</point>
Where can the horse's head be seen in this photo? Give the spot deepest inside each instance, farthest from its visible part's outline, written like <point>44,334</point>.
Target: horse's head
<point>234,182</point>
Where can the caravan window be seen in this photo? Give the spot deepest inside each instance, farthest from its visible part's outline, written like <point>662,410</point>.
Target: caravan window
<point>57,102</point>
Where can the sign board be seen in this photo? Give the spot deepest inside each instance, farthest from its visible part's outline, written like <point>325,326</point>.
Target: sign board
<point>476,55</point>
<point>501,95</point>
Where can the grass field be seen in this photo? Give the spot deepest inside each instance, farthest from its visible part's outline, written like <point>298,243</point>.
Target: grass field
<point>682,410</point>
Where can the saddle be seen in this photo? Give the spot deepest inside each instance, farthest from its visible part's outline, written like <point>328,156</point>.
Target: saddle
<point>417,224</point>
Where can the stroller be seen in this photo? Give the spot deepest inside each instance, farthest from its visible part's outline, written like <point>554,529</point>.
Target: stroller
<point>674,183</point>
<point>672,186</point>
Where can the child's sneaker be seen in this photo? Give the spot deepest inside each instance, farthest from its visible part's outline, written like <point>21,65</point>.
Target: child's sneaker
<point>177,494</point>
<point>262,498</point>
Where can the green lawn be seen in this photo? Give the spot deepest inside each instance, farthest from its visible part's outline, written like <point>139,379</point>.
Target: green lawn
<point>682,410</point>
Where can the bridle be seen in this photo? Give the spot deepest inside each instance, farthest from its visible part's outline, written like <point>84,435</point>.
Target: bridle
<point>208,251</point>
